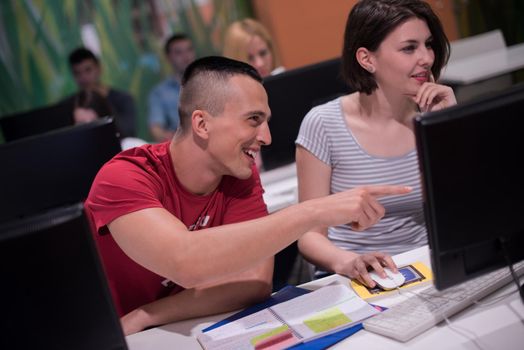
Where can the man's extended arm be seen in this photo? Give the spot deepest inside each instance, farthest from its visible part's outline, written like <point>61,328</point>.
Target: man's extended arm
<point>160,242</point>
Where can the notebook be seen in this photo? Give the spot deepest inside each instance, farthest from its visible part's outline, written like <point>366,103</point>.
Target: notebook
<point>301,320</point>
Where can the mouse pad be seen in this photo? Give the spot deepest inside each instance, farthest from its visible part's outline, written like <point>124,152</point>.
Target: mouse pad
<point>416,274</point>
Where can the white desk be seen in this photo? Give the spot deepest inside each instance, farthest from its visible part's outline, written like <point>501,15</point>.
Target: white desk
<point>280,187</point>
<point>498,325</point>
<point>484,66</point>
<point>483,73</point>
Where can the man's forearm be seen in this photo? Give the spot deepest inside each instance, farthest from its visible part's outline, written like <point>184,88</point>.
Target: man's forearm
<point>196,302</point>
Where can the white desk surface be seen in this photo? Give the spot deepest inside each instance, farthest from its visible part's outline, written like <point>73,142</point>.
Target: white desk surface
<point>269,177</point>
<point>484,66</point>
<point>497,323</point>
<point>280,187</point>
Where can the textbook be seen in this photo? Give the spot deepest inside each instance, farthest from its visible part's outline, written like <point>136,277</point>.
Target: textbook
<point>305,318</point>
<point>416,275</point>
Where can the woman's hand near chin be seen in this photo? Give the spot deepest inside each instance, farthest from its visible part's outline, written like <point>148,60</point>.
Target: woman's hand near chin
<point>433,97</point>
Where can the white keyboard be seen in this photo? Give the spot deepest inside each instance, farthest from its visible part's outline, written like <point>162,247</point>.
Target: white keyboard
<point>427,308</point>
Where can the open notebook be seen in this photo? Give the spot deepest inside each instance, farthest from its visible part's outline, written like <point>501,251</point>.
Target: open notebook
<point>305,318</point>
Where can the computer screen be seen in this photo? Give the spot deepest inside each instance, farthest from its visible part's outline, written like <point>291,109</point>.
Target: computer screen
<point>36,121</point>
<point>54,291</point>
<point>470,158</point>
<point>54,168</point>
<point>291,95</point>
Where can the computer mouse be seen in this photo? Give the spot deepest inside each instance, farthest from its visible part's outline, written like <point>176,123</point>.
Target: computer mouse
<point>392,281</point>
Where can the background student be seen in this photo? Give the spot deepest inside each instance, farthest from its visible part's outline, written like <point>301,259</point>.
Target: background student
<point>163,115</point>
<point>247,40</point>
<point>182,227</point>
<point>393,52</point>
<point>87,72</point>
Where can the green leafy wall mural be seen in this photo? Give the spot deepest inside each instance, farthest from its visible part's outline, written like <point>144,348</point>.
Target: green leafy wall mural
<point>36,37</point>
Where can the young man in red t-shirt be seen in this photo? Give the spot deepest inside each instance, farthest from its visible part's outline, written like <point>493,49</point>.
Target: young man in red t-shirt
<point>182,227</point>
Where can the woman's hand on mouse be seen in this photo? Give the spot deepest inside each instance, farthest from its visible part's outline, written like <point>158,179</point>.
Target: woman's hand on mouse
<point>357,268</point>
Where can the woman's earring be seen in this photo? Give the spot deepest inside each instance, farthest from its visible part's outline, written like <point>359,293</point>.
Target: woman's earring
<point>371,69</point>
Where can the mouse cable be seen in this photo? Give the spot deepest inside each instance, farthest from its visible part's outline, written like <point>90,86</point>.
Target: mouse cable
<point>520,287</point>
<point>462,331</point>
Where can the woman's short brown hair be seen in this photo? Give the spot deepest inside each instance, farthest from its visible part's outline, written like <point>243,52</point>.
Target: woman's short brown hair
<point>368,24</point>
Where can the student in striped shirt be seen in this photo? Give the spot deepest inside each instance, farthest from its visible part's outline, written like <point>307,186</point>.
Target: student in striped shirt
<point>393,53</point>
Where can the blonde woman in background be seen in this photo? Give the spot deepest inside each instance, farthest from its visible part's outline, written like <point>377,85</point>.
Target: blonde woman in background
<point>249,41</point>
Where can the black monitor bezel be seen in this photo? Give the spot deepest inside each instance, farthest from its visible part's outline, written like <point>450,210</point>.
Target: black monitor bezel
<point>453,266</point>
<point>291,95</point>
<point>55,168</point>
<point>36,121</point>
<point>65,302</point>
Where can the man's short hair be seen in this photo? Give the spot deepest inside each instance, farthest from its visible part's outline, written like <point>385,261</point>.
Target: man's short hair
<point>81,54</point>
<point>174,38</point>
<point>204,85</point>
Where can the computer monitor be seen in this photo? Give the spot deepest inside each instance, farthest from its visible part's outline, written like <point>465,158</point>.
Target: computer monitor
<point>291,95</point>
<point>55,168</point>
<point>36,121</point>
<point>54,291</point>
<point>470,158</point>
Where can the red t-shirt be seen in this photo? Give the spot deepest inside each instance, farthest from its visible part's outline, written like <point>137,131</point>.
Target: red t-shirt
<point>142,178</point>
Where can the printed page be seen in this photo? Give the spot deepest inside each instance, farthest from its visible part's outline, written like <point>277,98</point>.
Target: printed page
<point>261,330</point>
<point>324,311</point>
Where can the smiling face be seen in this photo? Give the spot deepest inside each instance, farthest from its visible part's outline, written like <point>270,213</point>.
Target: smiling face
<point>404,59</point>
<point>259,56</point>
<point>238,132</point>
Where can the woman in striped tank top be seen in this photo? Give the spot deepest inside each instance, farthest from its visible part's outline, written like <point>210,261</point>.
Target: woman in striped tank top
<point>393,53</point>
